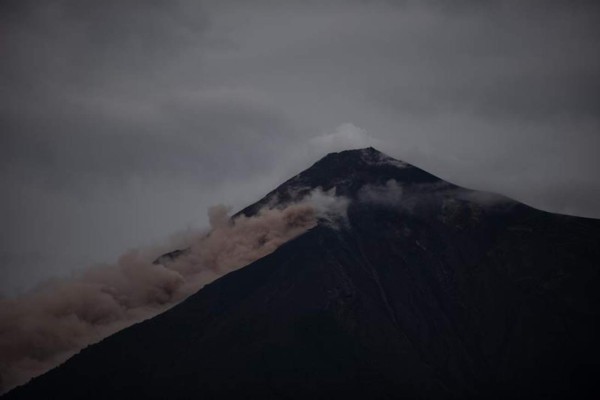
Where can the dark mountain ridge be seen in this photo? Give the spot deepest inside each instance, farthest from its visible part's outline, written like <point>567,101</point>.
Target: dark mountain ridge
<point>426,290</point>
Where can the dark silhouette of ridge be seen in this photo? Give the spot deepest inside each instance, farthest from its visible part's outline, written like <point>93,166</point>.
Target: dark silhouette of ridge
<point>427,291</point>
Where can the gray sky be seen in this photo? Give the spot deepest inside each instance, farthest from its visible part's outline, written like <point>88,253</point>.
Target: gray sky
<point>122,121</point>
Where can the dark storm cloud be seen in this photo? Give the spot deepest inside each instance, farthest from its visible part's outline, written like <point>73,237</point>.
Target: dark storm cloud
<point>84,42</point>
<point>121,121</point>
<point>97,89</point>
<point>505,61</point>
<point>177,137</point>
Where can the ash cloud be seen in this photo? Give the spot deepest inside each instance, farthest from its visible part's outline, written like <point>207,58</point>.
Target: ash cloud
<point>41,329</point>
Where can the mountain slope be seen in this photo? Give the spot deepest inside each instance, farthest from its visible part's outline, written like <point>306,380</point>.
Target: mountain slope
<point>427,290</point>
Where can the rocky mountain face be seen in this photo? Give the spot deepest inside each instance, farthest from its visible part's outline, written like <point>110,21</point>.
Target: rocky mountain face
<point>422,290</point>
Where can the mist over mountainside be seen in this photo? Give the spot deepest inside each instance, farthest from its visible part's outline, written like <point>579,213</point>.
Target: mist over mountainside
<point>409,288</point>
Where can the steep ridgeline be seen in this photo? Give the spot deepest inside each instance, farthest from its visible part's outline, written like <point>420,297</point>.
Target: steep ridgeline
<point>426,290</point>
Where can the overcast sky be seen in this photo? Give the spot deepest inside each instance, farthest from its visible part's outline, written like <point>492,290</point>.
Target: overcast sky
<point>122,121</point>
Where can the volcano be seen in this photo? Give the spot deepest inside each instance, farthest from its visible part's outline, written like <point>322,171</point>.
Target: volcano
<point>423,289</point>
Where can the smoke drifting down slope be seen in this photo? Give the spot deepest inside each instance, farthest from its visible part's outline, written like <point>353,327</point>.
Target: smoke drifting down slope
<point>41,329</point>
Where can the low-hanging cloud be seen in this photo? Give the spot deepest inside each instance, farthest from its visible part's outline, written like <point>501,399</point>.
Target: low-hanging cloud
<point>388,194</point>
<point>407,197</point>
<point>41,329</point>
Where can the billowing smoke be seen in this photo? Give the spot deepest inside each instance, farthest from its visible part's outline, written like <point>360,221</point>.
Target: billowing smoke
<point>43,328</point>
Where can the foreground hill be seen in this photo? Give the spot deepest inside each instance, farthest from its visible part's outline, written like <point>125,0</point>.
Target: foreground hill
<point>421,290</point>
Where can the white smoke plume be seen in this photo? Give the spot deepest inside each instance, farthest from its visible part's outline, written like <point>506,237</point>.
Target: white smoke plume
<point>43,328</point>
